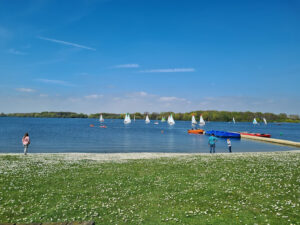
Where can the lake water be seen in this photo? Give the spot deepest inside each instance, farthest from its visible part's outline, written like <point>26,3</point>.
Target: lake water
<point>75,135</point>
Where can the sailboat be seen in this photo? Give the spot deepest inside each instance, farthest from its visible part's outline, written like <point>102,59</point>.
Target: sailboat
<point>254,121</point>
<point>101,119</point>
<point>127,119</point>
<point>171,120</point>
<point>202,122</point>
<point>194,120</point>
<point>163,119</point>
<point>265,121</point>
<point>147,120</point>
<point>233,120</point>
<point>134,118</point>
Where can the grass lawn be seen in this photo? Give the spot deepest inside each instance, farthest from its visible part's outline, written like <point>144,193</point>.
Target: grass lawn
<point>249,188</point>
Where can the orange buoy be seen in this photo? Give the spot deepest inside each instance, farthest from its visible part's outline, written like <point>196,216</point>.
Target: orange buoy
<point>91,125</point>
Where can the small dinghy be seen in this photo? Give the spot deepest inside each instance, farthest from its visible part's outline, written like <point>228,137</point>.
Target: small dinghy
<point>256,134</point>
<point>196,131</point>
<point>223,134</point>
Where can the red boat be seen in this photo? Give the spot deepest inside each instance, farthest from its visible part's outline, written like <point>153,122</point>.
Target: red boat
<point>257,134</point>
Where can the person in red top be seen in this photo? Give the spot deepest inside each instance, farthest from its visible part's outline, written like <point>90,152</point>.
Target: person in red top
<point>26,142</point>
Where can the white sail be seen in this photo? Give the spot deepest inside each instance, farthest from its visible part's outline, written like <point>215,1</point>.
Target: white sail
<point>127,119</point>
<point>147,119</point>
<point>254,121</point>
<point>202,122</point>
<point>265,121</point>
<point>171,120</point>
<point>101,118</point>
<point>194,120</point>
<point>233,120</point>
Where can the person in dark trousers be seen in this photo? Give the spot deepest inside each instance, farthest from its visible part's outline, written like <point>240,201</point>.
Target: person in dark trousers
<point>212,143</point>
<point>26,142</point>
<point>229,144</point>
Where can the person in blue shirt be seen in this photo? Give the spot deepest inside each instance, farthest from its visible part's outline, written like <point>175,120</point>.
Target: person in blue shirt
<point>212,143</point>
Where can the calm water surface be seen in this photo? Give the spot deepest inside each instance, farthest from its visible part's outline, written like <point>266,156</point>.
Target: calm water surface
<point>75,135</point>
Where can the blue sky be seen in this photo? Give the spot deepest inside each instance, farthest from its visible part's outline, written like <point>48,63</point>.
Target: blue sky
<point>159,55</point>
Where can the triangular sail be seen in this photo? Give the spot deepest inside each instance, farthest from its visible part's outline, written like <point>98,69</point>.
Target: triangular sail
<point>147,119</point>
<point>101,118</point>
<point>265,121</point>
<point>254,121</point>
<point>163,119</point>
<point>171,120</point>
<point>202,122</point>
<point>127,119</point>
<point>233,120</point>
<point>194,120</point>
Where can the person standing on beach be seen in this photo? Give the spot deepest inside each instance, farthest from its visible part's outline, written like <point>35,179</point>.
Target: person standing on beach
<point>26,142</point>
<point>229,144</point>
<point>212,143</point>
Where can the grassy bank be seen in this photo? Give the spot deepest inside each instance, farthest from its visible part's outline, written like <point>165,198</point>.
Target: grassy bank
<point>247,188</point>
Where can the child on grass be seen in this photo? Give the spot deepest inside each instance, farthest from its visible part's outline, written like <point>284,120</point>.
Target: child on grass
<point>229,144</point>
<point>26,142</point>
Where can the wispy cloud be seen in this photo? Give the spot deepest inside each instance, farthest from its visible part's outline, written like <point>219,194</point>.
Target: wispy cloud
<point>59,82</point>
<point>94,96</point>
<point>66,43</point>
<point>134,65</point>
<point>175,70</point>
<point>28,90</point>
<point>138,94</point>
<point>171,99</point>
<point>15,52</point>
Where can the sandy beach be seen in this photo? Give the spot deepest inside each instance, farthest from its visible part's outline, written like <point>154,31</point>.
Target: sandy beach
<point>134,156</point>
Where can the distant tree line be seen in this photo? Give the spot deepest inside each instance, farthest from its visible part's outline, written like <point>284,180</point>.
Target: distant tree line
<point>210,115</point>
<point>47,115</point>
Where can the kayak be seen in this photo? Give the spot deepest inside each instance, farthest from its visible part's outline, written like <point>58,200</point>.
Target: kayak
<point>223,134</point>
<point>257,134</point>
<point>198,131</point>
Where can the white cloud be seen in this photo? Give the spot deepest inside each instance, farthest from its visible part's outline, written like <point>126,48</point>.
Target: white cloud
<point>137,94</point>
<point>28,90</point>
<point>175,70</point>
<point>59,82</point>
<point>66,43</point>
<point>142,93</point>
<point>170,99</point>
<point>16,52</point>
<point>94,96</point>
<point>143,102</point>
<point>128,66</point>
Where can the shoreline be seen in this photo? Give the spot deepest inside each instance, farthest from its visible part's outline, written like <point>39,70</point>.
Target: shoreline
<point>74,156</point>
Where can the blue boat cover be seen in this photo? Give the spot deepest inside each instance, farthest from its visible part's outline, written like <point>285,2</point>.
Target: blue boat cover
<point>223,134</point>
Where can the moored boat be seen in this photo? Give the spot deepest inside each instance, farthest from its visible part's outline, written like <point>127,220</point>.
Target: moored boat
<point>196,131</point>
<point>223,134</point>
<point>256,134</point>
